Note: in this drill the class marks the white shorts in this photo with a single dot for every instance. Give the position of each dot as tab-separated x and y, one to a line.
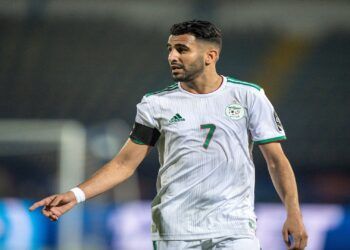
222	243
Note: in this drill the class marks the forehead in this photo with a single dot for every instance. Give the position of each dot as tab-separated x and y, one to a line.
185	39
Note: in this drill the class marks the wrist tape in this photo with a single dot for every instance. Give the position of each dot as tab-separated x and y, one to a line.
79	194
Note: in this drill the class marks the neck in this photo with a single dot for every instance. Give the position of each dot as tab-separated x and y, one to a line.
203	84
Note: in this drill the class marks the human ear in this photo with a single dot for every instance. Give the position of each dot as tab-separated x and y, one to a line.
211	56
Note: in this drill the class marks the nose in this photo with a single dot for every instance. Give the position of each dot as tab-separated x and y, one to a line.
173	56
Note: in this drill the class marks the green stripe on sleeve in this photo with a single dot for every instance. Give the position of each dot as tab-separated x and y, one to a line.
233	80
137	141
279	138
169	88
154	245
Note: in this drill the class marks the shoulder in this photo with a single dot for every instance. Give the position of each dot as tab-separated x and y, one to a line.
245	86
168	90
152	99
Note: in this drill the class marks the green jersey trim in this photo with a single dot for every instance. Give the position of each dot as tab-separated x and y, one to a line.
235	81
279	138
137	141
169	88
155	245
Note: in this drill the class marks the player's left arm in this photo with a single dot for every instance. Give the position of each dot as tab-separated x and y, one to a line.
283	179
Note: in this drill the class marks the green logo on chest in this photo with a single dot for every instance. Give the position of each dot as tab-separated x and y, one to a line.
176	118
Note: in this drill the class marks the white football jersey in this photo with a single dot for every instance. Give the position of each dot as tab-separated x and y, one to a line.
206	179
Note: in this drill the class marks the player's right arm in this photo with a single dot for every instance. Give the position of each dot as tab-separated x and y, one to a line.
120	168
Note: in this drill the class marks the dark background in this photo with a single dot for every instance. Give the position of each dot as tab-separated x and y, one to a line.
93	61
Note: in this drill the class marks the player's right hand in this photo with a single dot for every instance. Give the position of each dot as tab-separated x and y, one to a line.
55	205
294	232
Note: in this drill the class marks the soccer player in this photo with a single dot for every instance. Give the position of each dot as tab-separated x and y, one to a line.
204	126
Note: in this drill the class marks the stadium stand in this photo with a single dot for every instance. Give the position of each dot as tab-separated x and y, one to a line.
94	71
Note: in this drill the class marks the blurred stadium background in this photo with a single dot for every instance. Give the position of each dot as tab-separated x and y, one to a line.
72	71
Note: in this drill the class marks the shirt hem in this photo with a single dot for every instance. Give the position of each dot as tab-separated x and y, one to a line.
156	236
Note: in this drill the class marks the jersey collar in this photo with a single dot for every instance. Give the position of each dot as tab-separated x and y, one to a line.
215	92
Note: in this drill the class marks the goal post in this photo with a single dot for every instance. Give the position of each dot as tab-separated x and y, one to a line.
69	137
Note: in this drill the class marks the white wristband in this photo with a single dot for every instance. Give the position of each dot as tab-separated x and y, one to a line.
79	194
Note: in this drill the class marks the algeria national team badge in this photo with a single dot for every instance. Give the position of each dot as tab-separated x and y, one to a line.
235	111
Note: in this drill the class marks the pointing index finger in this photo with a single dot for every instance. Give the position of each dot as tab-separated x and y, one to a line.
43	202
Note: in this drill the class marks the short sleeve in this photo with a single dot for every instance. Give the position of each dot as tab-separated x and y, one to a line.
264	123
144	114
145	129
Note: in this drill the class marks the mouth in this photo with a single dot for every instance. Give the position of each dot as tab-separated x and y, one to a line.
176	67
176	70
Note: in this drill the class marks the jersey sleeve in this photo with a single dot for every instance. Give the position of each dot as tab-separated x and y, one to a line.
144	114
145	130
264	123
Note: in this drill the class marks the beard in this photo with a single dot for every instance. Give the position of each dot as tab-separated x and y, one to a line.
190	72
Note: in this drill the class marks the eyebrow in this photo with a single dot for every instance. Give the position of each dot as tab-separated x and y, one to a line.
178	45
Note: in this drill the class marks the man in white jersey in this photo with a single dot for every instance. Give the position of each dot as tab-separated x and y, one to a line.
204	126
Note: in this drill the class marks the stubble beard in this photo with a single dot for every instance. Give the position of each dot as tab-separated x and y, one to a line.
194	70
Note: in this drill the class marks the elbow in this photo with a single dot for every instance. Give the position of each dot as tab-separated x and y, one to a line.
276	162
271	165
124	167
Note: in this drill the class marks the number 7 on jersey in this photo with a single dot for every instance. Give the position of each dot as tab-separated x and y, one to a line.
211	128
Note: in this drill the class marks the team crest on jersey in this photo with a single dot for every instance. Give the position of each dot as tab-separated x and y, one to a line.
235	111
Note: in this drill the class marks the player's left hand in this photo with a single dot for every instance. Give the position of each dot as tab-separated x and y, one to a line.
295	228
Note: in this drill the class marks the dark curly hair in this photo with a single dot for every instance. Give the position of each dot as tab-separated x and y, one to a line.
203	30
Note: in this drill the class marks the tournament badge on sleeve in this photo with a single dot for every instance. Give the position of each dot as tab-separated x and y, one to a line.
278	122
